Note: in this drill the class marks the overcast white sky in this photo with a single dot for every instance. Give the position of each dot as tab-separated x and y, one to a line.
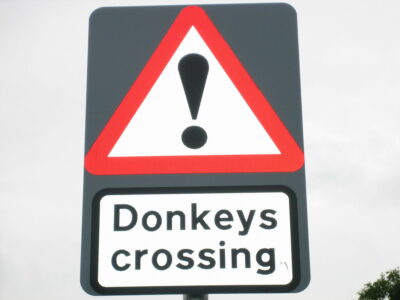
350	72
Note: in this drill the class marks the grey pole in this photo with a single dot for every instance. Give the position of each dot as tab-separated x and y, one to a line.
195	297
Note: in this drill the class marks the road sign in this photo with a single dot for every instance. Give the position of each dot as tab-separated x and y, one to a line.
243	132
194	168
156	237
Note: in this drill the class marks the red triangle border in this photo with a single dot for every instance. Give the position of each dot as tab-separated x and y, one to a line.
291	158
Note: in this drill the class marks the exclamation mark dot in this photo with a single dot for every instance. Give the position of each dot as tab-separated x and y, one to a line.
193	69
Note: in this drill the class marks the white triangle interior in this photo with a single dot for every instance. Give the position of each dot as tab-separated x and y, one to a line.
157	126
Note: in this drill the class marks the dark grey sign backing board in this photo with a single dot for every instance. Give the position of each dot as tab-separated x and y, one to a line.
121	41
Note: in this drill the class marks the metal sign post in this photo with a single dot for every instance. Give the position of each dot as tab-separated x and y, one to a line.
195	297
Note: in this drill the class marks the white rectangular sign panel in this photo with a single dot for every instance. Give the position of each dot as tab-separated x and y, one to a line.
193	238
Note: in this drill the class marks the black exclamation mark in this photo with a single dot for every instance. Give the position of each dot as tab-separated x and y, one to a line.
193	69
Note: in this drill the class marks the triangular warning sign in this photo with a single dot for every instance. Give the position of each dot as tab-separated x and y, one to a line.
239	130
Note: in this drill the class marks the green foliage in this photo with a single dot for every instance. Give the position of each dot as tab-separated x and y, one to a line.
387	287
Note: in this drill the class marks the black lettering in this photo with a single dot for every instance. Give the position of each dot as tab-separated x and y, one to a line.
138	258
246	223
171	214
168	261
189	261
198	219
145	220
235	253
114	258
219	218
270	263
272	221
222	261
209	259
117	211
